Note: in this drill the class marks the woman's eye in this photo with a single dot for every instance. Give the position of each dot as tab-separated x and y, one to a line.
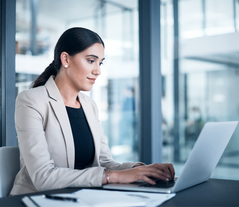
91	61
101	63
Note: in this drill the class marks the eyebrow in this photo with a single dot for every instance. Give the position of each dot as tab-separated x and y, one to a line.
95	57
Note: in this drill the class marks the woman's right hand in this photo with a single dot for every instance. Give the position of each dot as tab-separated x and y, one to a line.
159	171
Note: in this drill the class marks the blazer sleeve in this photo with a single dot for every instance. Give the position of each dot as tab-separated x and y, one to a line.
29	118
106	159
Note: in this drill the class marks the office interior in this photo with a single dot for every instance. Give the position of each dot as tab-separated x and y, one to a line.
198	67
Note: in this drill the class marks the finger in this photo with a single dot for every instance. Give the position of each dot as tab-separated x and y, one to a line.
171	169
165	169
148	180
158	174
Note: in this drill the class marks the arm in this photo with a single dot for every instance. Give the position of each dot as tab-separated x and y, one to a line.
160	171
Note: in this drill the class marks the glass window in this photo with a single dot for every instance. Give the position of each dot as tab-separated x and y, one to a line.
236	17
167	78
191	27
116	90
219	16
208	78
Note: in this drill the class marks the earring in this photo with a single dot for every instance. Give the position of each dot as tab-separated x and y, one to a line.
66	66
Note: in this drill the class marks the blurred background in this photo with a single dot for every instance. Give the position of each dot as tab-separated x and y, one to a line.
208	72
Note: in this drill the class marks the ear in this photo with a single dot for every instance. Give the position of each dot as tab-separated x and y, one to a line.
65	59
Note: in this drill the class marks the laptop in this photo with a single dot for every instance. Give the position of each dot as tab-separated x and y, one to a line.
199	166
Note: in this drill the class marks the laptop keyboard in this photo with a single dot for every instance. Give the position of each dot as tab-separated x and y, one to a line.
160	184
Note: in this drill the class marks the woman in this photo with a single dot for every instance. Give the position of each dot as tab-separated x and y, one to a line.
60	139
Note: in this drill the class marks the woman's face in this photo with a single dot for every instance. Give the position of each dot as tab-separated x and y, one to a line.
84	67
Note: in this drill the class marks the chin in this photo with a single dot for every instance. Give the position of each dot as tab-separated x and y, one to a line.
86	89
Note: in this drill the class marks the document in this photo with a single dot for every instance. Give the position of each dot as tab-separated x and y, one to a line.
105	198
42	201
98	198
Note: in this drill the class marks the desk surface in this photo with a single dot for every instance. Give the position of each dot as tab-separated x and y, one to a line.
214	192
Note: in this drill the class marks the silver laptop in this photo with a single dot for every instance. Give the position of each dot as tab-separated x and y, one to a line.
200	164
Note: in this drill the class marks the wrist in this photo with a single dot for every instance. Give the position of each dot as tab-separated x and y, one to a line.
113	177
110	177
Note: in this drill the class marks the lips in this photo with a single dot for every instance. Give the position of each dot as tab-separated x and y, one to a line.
92	80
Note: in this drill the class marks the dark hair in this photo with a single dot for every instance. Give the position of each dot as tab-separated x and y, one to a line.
72	41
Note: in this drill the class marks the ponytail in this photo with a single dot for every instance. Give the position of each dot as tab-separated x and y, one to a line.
42	79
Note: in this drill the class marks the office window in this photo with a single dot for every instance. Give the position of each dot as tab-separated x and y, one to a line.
208	77
191	27
40	23
236	15
219	16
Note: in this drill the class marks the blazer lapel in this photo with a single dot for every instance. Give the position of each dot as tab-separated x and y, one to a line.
93	124
59	108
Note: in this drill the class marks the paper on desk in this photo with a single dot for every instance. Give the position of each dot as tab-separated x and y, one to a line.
42	201
104	198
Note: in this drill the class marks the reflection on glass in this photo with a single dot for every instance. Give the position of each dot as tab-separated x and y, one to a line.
191	27
219	16
116	90
236	15
207	17
208	80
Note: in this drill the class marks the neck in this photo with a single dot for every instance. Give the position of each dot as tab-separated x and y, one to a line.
70	96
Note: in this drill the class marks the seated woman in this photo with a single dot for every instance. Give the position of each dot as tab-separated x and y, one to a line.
59	135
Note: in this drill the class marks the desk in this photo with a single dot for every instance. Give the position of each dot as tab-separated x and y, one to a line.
214	192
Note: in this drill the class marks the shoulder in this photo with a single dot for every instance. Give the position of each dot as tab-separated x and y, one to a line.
37	94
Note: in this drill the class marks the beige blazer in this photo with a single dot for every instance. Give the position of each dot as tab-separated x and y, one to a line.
45	139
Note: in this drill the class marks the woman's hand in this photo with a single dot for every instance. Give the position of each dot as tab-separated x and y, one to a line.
159	171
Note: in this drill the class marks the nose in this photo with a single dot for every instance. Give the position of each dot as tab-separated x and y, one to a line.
97	71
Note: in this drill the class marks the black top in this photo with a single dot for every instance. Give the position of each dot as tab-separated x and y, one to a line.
83	140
